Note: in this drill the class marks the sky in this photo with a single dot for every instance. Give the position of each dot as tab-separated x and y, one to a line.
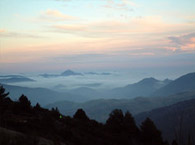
55	35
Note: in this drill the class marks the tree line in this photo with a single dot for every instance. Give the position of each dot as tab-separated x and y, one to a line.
36	121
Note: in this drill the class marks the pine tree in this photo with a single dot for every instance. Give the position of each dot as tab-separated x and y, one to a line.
4	104
130	125
55	112
37	106
131	131
81	115
115	121
150	134
3	95
24	103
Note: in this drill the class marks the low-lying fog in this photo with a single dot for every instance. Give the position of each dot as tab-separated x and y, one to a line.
95	80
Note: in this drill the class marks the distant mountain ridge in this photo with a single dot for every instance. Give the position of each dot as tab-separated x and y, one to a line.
153	87
100	109
65	73
182	84
144	88
70	73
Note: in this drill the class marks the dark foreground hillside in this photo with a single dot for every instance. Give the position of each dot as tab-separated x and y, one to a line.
177	120
36	122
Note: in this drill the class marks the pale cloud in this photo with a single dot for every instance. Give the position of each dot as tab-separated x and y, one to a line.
144	33
6	33
95	53
71	28
55	15
182	39
137	37
142	54
74	29
136	26
184	42
170	48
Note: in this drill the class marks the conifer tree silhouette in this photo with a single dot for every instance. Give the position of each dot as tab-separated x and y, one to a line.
150	134
115	121
130	125
3	95
37	106
3	103
81	115
24	103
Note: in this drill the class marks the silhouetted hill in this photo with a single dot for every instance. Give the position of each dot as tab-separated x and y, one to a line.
65	73
70	73
182	84
14	79
100	109
174	120
144	87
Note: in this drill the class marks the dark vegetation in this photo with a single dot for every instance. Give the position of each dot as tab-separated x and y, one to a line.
36	122
175	121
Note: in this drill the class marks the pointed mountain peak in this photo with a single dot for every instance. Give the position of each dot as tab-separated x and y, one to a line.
149	80
69	73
